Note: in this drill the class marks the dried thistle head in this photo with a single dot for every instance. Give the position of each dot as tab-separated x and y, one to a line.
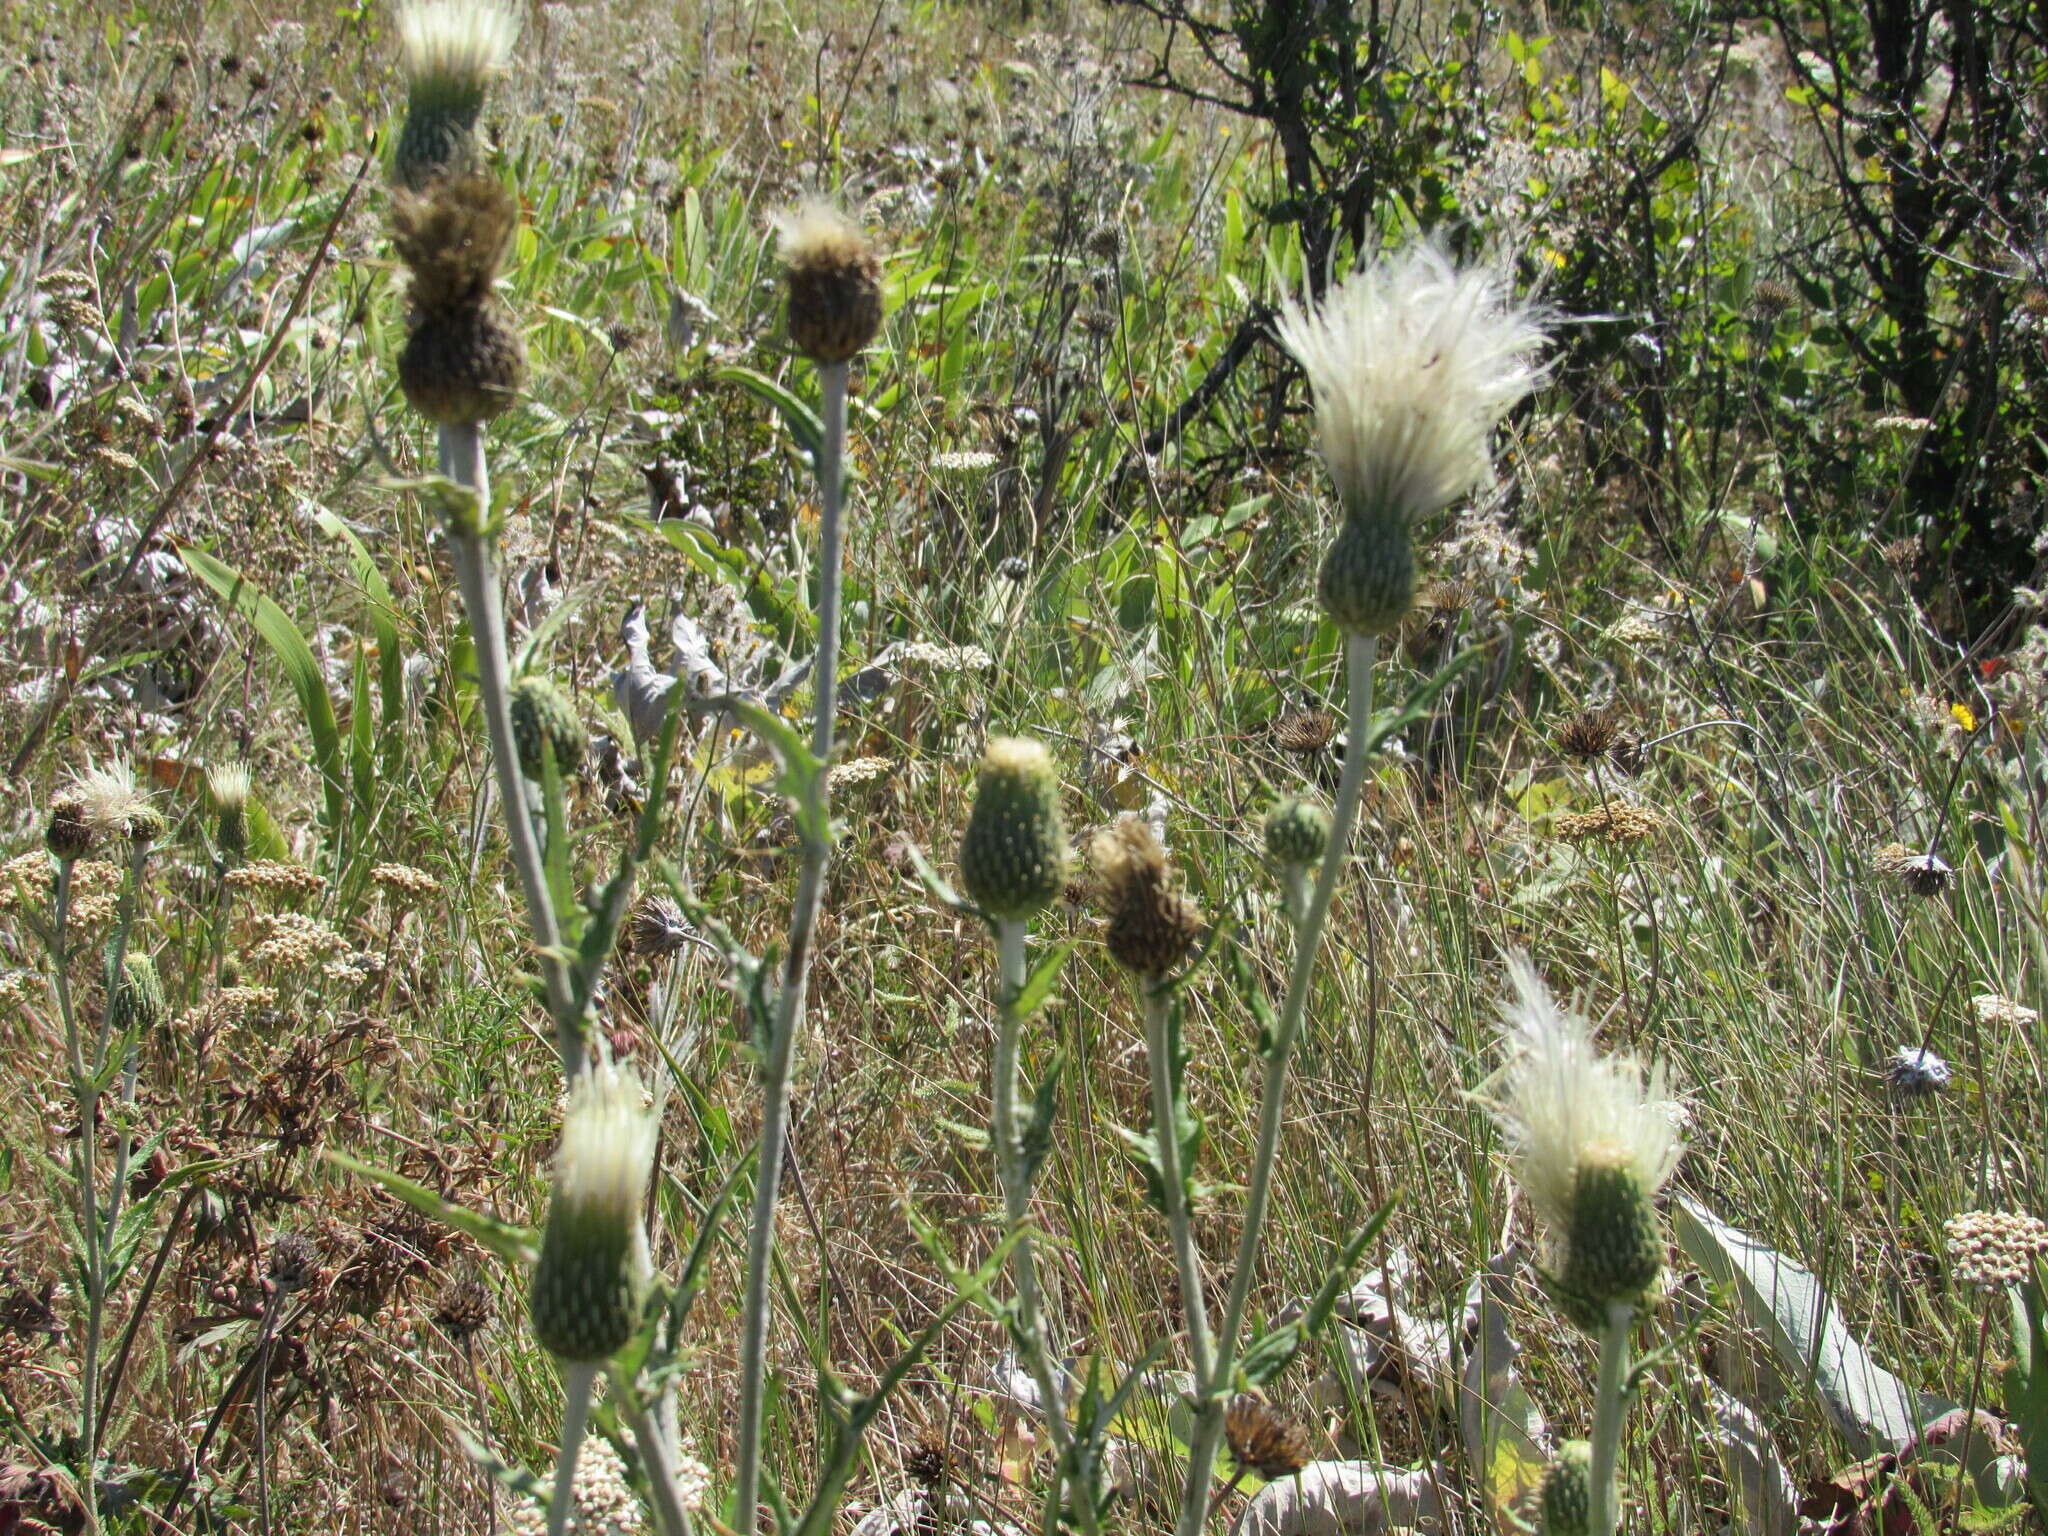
294	1261
835	282
1263	1440
112	805
1305	731
1919	874
1152	929
656	928
464	1309
453	238
1589	735
68	834
228	786
1915	1072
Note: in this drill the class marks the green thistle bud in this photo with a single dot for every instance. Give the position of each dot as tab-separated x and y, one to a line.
1013	858
1367	583
69	834
449	49
138	1001
1612	1247
229	786
591	1279
543	716
1297	831
1566	1504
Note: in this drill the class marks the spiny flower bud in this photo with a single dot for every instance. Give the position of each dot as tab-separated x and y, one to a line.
1297	831
1152	929
1367	581
835	282
1013	858
542	716
1613	1250
137	1002
68	835
448	49
465	361
229	785
587	1287
1566	1503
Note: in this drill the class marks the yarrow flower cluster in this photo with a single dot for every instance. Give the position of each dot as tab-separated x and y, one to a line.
1593	1140
1993	1249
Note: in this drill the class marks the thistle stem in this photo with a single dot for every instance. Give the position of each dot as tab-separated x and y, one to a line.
1166	1139
1610	1408
1360	653
462	460
576	1383
787	1023
1013	1170
656	1442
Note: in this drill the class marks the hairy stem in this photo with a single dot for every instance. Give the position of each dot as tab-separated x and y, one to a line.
656	1443
1179	1221
787	1023
1360	653
576	1383
1610	1408
462	460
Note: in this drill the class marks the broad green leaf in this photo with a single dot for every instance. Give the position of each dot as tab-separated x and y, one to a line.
520	1245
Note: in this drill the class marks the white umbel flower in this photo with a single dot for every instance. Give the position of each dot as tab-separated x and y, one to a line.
1593	1138
1413	362
454	45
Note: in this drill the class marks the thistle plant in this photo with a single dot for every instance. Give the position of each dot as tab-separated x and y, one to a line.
835	308
1412	363
1013	863
592	1274
1592	1142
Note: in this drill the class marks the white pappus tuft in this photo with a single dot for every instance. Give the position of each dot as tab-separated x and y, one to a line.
1564	1098
454	46
1413	361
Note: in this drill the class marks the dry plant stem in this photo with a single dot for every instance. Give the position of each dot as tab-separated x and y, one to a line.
1610	1408
1179	1221
483	1423
83	1160
1360	653
789	1001
576	1383
462	460
1016	1180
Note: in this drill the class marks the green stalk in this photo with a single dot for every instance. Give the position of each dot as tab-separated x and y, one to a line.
1360	653
576	1383
656	1442
462	460
1610	1408
1016	1180
1179	1222
816	853
83	1166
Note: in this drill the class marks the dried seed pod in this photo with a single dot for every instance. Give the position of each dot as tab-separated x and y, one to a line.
294	1261
464	1309
1262	1440
1152	929
465	361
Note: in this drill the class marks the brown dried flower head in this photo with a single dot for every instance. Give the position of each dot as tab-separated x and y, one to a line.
1151	927
656	928
835	282
1305	731
275	877
1920	874
1589	735
464	1309
1263	1440
1617	825
405	883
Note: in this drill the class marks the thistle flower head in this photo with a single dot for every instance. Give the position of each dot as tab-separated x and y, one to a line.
1593	1142
449	49
588	1284
1013	857
1915	1072
112	805
229	784
835	281
1413	361
1152	928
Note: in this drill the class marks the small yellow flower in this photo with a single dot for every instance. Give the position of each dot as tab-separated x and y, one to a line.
1963	716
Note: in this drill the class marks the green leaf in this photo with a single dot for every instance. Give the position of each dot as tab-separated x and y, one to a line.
1038	985
1874	1410
2026	1386
519	1245
1035	1141
802	421
1274	1351
302	671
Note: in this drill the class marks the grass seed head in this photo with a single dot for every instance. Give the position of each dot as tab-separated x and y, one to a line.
1152	929
587	1286
835	282
1013	857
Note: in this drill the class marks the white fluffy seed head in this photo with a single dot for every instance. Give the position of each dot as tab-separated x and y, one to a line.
1413	362
109	798
607	1146
1565	1100
452	47
229	784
